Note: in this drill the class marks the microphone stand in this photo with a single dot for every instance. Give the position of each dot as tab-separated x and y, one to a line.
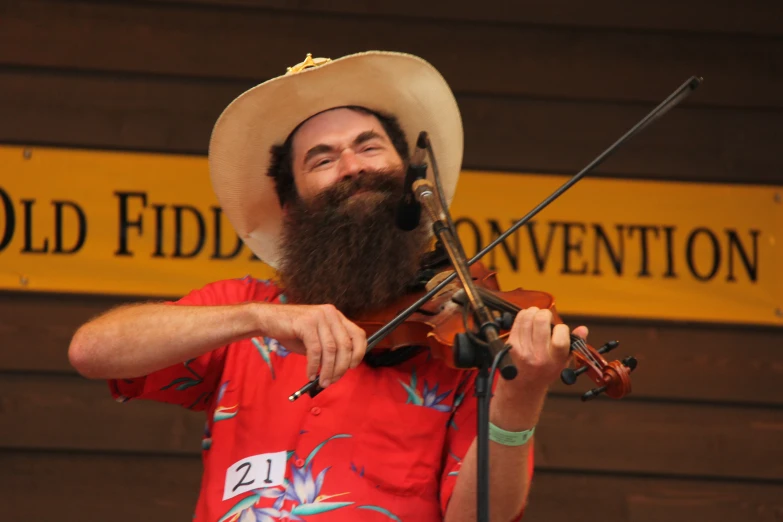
482	356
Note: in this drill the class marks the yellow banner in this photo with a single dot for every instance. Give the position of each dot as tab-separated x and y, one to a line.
148	224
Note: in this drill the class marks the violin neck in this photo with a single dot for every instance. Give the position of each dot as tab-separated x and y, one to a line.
499	304
502	305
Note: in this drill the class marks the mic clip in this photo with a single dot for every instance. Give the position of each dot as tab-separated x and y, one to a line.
409	208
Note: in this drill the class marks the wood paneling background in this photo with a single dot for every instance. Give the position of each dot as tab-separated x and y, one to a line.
543	86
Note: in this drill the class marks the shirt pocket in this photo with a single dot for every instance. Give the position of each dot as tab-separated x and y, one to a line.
398	447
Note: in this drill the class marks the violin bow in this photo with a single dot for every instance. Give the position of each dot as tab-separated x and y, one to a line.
662	108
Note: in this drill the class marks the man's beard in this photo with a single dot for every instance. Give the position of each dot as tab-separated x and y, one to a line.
344	249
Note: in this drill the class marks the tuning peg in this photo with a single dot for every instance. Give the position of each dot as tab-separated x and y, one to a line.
630	362
608	347
505	321
592	394
568	376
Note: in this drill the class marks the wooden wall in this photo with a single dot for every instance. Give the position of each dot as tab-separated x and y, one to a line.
543	86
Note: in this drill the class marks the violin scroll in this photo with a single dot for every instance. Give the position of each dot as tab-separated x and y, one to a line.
613	378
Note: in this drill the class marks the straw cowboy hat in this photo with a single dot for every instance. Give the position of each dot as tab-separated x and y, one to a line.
399	84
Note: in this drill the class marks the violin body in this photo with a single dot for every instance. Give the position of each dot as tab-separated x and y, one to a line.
438	322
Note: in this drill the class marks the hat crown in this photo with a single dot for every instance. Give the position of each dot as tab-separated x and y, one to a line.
308	63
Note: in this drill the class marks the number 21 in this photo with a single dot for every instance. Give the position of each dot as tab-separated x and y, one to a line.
247	467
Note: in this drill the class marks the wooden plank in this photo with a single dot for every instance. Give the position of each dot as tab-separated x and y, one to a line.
661	438
86	418
56	486
686	144
730	17
161	489
119	113
700	363
163	115
604	435
496	59
37	328
595	498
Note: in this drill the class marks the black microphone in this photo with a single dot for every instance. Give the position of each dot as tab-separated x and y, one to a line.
409	209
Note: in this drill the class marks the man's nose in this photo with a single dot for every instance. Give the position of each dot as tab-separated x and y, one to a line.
350	165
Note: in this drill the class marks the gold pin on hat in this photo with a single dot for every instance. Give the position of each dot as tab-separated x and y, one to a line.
308	63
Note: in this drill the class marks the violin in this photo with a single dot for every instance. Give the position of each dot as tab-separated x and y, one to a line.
452	319
444	321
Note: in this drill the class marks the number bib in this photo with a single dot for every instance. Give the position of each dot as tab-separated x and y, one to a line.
259	471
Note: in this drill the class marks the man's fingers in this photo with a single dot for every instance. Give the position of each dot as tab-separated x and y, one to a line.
524	326
358	340
312	350
561	343
581	331
542	333
332	343
344	345
328	352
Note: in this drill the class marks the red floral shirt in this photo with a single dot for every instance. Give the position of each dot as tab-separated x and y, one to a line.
380	444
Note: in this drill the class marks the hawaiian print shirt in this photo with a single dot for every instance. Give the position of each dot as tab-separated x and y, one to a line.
380	444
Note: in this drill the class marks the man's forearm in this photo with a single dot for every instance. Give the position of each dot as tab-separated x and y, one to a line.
508	465
134	340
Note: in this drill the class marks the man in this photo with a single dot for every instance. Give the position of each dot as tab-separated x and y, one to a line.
392	435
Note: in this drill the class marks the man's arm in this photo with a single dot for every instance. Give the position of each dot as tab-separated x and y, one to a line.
508	465
135	340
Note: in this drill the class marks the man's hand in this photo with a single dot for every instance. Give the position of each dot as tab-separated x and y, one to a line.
322	333
540	352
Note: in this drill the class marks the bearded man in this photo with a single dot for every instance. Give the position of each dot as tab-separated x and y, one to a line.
309	169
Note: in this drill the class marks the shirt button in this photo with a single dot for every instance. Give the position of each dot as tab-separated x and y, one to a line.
299	463
315	410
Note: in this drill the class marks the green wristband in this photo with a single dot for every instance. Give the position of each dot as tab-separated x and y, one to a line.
510	438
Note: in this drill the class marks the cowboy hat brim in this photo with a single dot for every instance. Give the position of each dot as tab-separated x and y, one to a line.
398	84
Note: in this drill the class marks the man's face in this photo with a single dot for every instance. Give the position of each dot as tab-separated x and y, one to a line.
339	242
339	144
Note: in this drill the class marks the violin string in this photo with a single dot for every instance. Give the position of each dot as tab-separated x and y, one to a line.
581	346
